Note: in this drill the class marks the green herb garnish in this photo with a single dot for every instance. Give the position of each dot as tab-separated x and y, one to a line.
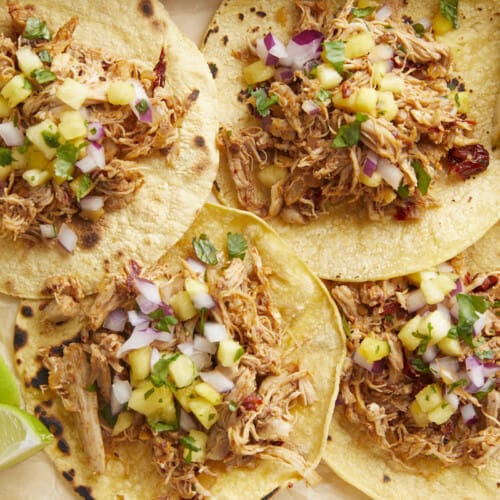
458	383
403	191
162	426
362	12
142	106
205	250
232	406
43	76
480	395
484	354
449	9
423	178
67	154
36	29
420	365
91	387
237	246
262	102
469	308
334	53
45	56
323	95
162	321
108	417
5	157
159	374
190	444
419	29
239	352
149	393
52	140
348	135
84	186
345	327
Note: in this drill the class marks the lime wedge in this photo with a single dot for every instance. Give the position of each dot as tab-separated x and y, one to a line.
21	435
9	391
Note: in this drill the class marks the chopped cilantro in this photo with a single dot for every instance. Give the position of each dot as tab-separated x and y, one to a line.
159	373
419	29
403	191
162	321
232	406
458	383
162	426
236	246
45	56
43	76
67	154
484	354
449	10
24	148
36	29
91	387
27	85
402	49
389	317
425	338
108	417
363	12
142	106
5	157
420	365
52	140
205	250
323	95
480	395
262	102
149	393
469	308
348	135
423	178
84	186
345	327
334	53
190	444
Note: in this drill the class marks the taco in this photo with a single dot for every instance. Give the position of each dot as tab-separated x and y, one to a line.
364	140
107	144
419	401
213	373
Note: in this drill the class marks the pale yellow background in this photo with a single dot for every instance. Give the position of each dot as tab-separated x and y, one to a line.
36	479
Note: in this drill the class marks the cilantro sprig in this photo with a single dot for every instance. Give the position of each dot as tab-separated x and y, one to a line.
262	101
449	10
237	246
205	250
469	309
334	54
162	321
349	134
423	178
36	29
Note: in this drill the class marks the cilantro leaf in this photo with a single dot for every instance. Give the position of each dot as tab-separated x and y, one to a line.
203	314
43	75
480	395
420	365
419	29
462	382
334	53
67	154
236	246
362	12
403	191
449	10
233	406
190	444
489	354
45	56
205	250
84	185
323	95
52	140
423	178
345	327
262	102
159	373
36	29
469	308
349	134
108	417
142	106
162	426
5	157
162	321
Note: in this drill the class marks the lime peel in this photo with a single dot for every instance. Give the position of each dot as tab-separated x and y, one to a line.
9	390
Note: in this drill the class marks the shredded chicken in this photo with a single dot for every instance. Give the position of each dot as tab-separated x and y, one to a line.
378	402
313	177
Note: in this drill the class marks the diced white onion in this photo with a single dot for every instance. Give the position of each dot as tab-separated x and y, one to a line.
383	13
48	231
217	380
122	390
201	344
361	361
164	336
215	332
452	399
96	152
148	289
186	421
444	311
390	173
138	339
114	405
415	300
11	135
145	305
430	353
203	301
86	164
140	95
468	414
186	348
381	52
116	320
196	266
92	203
155	357
474	370
201	360
67	237
445	268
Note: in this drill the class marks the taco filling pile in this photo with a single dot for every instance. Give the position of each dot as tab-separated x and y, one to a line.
422	375
357	105
73	122
189	362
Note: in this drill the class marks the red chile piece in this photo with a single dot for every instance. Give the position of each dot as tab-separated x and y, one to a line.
488	282
159	70
466	161
251	402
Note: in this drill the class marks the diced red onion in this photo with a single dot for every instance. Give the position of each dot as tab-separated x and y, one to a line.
138	339
48	231
425	22
164	336
474	370
378	366
201	360
490	369
479	323
283	74
383	13
186	348
217	380
370	164
116	320
140	95
155	357
95	131
186	421
215	332
390	173
196	266
96	152
446	368
452	399
11	135
469	414
302	48
270	49
145	305
148	289
458	289
67	238
92	203
310	107
136	318
362	361
415	300
203	300
201	344
381	52
430	353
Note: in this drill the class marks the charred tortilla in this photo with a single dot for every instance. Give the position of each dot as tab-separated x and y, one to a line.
346	244
169	182
291	303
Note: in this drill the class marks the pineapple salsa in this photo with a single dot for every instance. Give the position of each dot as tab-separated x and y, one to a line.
360	105
73	122
422	378
189	361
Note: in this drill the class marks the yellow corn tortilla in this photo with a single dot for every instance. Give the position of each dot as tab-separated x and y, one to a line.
313	324
349	450
175	186
346	245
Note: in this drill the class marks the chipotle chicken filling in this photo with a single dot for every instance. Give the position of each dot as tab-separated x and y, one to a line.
422	377
353	108
73	123
188	360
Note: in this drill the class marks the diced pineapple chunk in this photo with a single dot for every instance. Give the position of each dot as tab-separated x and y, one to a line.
120	93
441	25
417	278
72	125
16	90
257	72
4	107
185	395
205	412
373	349
392	83
5	171
386	105
366	101
198	440
35	177
441	413
461	99
373	181
435	289
92	215
195	287
450	347
271	175
36	159
182	371
140	364
429	397
406	334
328	76
72	93
359	45
123	422
436	325
367	3
420	416
379	70
229	352
183	306
79	188
209	393
28	60
35	134
19	160
347	103
156	403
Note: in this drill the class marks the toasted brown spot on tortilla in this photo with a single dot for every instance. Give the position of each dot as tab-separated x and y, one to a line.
48	403
89	239
69	474
193	96
199	141
53	424
225	39
159	25
261	13
20	338
41	378
241	16
85	492
269	495
26	311
146	7
210	32
63	445
386	478
213	69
